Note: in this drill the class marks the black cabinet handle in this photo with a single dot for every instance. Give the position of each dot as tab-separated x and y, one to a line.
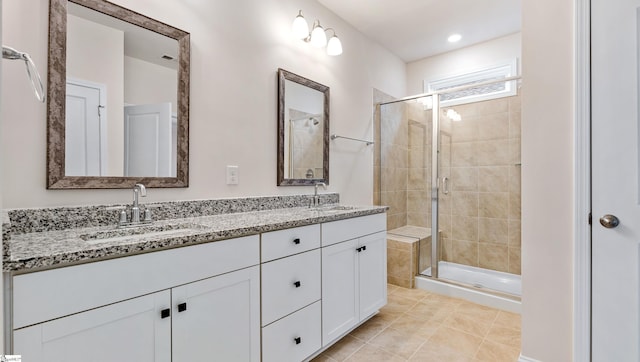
298	340
358	249
165	313
297	284
296	241
364	247
182	307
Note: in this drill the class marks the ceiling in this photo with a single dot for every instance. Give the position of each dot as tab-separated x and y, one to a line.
416	29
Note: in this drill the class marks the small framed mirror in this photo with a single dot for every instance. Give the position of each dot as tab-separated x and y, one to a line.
303	130
118	98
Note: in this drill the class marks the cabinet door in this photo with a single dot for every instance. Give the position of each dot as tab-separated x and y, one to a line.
339	289
129	331
372	264
218	318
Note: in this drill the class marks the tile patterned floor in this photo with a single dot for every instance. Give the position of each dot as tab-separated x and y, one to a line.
417	325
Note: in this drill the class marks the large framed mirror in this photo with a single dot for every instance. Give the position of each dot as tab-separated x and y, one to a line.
303	130
118	98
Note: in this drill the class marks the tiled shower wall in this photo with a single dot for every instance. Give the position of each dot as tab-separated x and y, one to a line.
480	216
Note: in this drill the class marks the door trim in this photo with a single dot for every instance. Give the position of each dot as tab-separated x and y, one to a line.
582	183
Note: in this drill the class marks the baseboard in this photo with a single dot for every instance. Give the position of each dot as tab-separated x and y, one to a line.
526	359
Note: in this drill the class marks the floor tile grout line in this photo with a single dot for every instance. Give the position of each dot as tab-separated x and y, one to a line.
419	348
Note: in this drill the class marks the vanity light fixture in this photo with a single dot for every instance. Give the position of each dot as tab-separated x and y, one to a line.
317	37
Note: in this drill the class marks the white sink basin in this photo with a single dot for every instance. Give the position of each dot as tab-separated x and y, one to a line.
143	231
335	208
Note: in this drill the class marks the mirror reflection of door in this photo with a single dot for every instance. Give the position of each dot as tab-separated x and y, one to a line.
85	134
149	141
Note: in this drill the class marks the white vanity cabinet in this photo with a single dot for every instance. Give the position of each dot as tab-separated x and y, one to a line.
185	304
279	296
354	273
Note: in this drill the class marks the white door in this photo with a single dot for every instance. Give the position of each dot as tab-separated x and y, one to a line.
129	331
85	129
340	304
148	140
218	319
372	264
615	186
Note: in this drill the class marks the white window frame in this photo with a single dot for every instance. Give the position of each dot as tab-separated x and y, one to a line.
503	69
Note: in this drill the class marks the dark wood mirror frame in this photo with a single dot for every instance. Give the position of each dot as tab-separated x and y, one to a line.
282	181
56	98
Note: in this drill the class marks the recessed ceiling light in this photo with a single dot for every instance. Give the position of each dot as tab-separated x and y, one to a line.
454	38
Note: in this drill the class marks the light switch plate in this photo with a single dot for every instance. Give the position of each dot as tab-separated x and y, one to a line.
232	175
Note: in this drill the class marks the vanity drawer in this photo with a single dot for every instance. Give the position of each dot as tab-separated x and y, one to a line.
281	243
337	231
293	338
289	284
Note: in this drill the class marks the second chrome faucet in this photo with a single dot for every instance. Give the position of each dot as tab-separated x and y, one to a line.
315	202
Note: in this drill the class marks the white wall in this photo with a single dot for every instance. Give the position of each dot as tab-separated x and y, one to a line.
148	83
462	61
236	49
547	179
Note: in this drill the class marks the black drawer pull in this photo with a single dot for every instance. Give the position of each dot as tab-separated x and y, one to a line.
165	313
182	307
296	241
298	340
358	249
364	248
297	284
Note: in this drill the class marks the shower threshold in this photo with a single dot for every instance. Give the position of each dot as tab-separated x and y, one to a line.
490	280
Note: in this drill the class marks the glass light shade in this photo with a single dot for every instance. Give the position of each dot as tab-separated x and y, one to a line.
318	37
334	47
300	28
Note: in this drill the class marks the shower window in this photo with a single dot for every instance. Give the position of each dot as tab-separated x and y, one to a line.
476	94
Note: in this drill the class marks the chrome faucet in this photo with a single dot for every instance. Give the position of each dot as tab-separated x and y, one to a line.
315	202
138	190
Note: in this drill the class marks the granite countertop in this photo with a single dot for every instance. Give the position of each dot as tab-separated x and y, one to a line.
39	250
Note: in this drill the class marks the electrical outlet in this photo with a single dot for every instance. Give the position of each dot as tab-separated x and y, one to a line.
232	175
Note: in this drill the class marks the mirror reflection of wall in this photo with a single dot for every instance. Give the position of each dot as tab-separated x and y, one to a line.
117	65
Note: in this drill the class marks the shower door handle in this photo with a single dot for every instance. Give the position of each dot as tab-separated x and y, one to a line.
445	185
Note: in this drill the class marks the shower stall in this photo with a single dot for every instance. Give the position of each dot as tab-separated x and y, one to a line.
447	164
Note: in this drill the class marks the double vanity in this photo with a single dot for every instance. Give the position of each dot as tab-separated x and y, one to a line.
259	279
249	279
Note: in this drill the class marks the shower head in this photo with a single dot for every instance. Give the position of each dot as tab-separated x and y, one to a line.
315	121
